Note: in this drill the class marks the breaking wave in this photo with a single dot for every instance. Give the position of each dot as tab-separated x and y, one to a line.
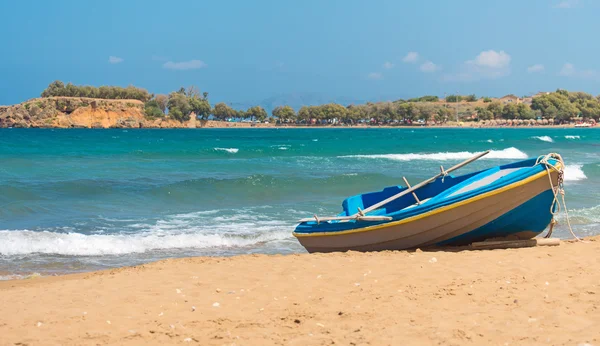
508	153
572	137
229	150
76	244
544	139
574	173
583	216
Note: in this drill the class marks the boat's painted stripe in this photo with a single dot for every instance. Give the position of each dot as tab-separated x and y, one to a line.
527	180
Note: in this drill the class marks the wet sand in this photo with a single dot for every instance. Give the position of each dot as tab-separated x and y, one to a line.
542	295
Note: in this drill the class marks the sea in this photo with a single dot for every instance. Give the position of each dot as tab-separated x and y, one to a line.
76	200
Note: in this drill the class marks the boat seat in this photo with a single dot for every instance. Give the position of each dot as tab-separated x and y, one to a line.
414	205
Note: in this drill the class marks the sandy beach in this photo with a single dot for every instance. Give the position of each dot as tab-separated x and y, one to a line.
543	295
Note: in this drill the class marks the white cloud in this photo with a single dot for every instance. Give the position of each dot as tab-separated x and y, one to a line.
411	57
388	65
375	75
184	65
567	4
115	60
569	70
429	67
488	64
535	68
493	59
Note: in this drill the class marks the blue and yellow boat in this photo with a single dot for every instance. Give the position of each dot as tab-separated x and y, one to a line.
515	201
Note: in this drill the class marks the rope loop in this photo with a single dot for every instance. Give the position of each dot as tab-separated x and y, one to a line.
557	189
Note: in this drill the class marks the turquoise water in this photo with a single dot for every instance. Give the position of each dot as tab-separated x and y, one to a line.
76	200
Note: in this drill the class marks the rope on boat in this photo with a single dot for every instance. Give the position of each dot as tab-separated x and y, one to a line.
556	190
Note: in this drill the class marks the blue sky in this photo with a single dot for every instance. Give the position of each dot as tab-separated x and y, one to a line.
246	51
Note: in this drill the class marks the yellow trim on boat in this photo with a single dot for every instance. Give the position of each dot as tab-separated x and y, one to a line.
431	212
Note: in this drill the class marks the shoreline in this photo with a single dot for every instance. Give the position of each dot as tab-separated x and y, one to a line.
528	295
278	127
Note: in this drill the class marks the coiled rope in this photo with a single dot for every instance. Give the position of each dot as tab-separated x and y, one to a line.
556	190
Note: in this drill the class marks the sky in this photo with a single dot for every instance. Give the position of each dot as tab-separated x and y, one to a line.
247	51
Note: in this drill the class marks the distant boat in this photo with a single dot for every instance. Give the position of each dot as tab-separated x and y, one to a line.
583	125
507	201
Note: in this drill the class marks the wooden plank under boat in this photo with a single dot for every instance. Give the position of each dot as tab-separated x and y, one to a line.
513	200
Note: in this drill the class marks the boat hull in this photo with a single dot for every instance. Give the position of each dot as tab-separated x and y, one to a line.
520	210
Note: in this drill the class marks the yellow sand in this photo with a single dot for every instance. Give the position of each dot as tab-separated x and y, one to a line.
543	295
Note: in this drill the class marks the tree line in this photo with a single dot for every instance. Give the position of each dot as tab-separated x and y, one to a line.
182	104
58	88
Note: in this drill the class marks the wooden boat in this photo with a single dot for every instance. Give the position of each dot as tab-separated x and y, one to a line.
515	200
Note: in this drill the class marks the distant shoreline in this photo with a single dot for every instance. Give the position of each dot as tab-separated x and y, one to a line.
81	112
279	127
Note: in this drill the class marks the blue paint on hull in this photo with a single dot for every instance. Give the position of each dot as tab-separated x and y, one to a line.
533	216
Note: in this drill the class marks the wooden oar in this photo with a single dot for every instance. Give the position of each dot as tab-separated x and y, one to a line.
398	195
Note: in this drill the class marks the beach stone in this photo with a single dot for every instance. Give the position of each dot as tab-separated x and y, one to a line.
216	304
433	260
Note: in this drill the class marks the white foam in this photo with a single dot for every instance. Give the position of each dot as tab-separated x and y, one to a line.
572	137
283	148
19	276
508	153
574	173
490	141
229	150
544	138
26	242
196	230
583	216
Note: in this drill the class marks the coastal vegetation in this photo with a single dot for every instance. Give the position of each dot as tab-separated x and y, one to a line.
58	88
182	104
186	104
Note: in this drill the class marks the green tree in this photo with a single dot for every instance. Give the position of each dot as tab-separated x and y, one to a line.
179	106
510	111
495	108
199	106
257	112
426	98
525	112
442	115
223	111
484	113
304	114
284	113
555	105
57	88
161	101
470	98
453	98
152	109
